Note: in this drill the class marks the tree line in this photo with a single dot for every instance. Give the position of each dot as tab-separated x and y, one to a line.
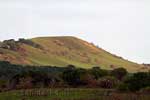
26	77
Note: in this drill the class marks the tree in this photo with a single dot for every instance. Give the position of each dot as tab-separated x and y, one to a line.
75	77
119	73
137	81
98	73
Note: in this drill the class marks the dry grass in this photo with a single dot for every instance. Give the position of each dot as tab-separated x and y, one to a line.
60	51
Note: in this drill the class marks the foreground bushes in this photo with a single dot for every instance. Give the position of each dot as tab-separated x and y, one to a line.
137	81
145	90
108	82
24	77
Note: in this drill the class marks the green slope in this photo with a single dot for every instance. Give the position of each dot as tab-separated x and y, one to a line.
61	51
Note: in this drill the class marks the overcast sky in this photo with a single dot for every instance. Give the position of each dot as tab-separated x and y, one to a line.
121	27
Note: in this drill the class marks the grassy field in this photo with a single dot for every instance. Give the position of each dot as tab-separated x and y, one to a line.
70	94
61	51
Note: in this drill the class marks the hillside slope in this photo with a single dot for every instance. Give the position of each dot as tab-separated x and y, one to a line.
61	51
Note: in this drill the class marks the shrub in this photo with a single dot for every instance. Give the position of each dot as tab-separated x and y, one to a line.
119	73
122	87
145	90
137	81
9	44
25	83
98	73
107	82
77	77
3	83
31	43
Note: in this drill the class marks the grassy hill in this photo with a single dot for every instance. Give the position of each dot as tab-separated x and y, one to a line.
61	51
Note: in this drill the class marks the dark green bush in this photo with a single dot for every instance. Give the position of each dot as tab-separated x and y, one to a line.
97	72
122	87
137	81
119	73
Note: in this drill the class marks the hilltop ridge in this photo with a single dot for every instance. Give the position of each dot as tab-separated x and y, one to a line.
61	51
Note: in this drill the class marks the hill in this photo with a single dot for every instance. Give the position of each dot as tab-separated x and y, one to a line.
61	51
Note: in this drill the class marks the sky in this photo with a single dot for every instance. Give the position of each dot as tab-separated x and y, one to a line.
118	26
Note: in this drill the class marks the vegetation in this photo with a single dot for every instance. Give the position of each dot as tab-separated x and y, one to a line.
138	81
90	71
29	42
9	44
62	51
65	83
27	77
119	73
71	94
